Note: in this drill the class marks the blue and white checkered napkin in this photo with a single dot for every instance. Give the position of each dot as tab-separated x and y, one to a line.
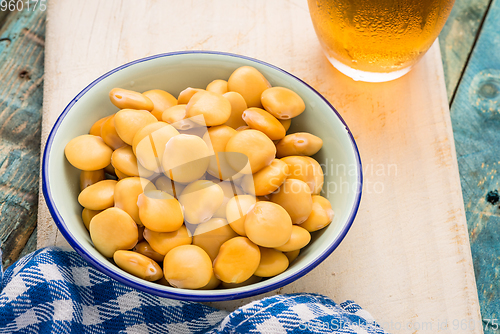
56	291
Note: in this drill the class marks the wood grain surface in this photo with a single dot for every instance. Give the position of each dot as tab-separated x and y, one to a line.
3	17
21	78
476	123
458	38
407	257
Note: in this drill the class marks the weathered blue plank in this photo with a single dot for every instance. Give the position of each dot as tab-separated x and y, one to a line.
21	83
475	117
457	38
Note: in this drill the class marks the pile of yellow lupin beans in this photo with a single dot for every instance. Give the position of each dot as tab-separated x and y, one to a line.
204	190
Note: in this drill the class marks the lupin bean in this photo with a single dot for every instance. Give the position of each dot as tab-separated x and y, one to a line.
112	230
138	265
87	152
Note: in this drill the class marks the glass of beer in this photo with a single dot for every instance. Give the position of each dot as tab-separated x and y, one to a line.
377	40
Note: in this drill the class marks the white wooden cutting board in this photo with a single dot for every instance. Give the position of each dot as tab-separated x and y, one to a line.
407	257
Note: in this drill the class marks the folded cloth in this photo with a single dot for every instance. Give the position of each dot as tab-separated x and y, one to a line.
56	291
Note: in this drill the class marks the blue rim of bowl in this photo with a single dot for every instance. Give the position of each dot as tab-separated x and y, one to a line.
190	295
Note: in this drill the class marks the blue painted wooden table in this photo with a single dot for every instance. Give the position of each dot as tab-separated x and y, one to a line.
475	114
470	46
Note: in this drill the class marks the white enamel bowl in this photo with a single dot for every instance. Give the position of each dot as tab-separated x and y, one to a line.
173	72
